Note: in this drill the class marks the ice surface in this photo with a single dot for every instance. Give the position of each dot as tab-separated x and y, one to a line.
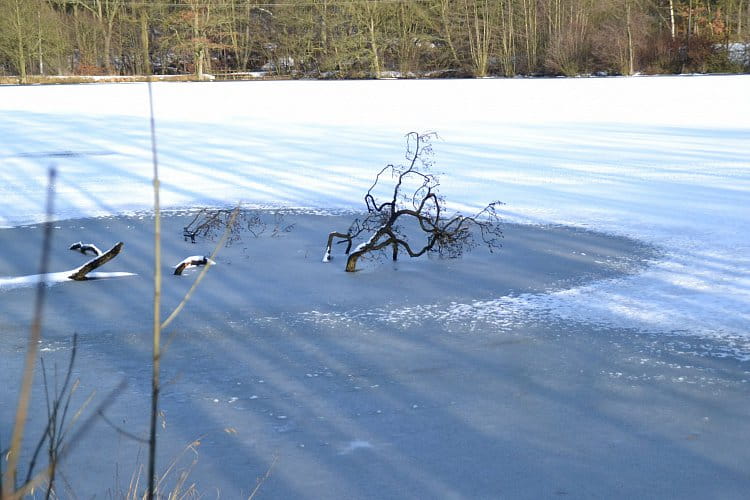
631	156
355	445
406	380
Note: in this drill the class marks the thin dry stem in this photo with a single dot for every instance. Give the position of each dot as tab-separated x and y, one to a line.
156	360
183	477
135	479
264	478
178	490
203	272
75	439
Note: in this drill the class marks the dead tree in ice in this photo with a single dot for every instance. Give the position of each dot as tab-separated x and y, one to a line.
413	204
209	223
80	273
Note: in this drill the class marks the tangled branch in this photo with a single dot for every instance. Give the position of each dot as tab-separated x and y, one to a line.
415	202
210	223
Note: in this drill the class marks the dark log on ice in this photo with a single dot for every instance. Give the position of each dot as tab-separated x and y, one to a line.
193	261
81	272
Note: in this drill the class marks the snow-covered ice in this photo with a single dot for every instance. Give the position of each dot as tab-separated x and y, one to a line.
663	159
49	279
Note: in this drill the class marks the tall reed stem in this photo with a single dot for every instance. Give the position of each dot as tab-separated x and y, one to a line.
157	305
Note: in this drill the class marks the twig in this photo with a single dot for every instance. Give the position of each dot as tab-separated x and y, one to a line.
264	478
122	431
75	439
53	406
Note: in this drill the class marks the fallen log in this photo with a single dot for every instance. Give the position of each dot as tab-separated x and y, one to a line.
81	272
194	261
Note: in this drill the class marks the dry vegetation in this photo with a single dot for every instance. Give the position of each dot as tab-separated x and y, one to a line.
237	39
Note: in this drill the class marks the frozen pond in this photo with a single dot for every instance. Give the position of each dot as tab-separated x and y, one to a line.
398	381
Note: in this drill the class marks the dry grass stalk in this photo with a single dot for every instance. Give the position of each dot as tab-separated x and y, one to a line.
263	479
180	490
156	359
186	298
43	476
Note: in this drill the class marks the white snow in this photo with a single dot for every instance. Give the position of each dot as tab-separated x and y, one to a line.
49	279
357	444
663	159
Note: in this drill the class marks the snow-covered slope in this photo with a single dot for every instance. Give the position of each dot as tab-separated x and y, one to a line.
664	159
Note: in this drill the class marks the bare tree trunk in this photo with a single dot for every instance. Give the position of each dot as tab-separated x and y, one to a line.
197	50
479	35
145	43
207	50
530	33
107	48
20	50
39	41
631	69
374	46
507	38
239	47
351	262
739	18
688	34
671	19
447	30
78	44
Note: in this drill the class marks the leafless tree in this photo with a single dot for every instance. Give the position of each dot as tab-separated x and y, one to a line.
414	204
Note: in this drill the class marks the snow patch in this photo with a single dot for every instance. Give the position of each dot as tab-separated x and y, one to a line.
355	445
50	279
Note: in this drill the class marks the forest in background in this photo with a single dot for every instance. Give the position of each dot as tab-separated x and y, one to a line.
372	38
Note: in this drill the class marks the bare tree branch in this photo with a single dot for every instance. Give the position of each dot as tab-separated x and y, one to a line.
210	223
415	199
